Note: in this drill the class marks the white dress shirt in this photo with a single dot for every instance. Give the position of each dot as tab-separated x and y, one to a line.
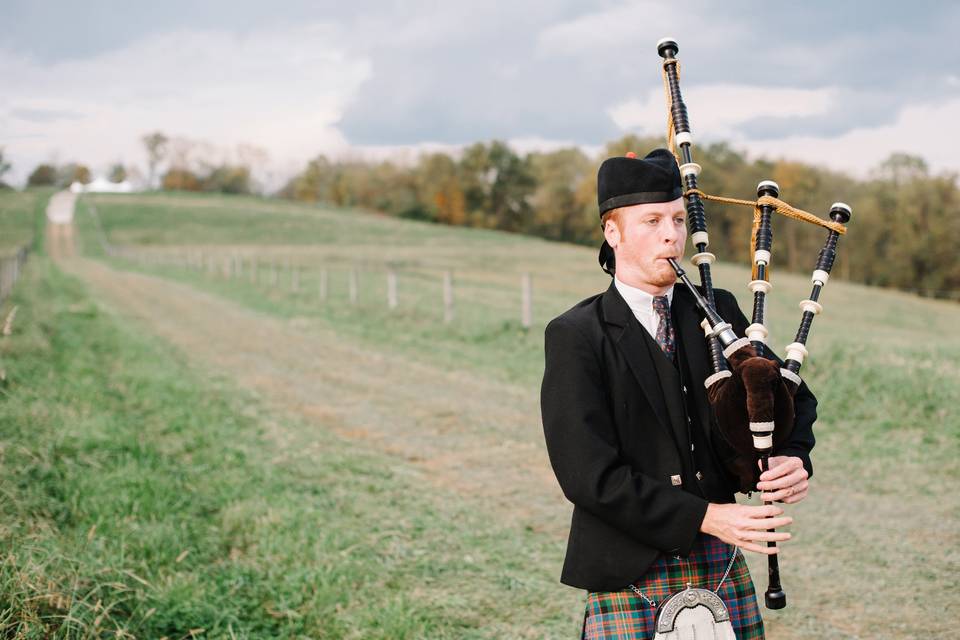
641	303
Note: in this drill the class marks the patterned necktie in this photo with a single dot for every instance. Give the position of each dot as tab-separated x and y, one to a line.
665	337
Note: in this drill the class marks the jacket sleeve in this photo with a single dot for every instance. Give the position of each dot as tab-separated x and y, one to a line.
584	451
804	403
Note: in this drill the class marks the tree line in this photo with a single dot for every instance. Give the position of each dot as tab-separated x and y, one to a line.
905	226
903	234
190	165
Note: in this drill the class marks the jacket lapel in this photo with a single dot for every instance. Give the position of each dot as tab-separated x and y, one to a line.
633	345
694	348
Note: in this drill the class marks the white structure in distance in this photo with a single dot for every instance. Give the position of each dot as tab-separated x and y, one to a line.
102	185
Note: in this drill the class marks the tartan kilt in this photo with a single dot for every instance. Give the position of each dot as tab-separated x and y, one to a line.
619	615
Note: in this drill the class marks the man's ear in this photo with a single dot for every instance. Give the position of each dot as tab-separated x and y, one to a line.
611	233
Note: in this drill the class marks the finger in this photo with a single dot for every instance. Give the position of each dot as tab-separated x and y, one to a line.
783	494
788	466
766	536
758	548
758	524
795	477
763	511
772	461
797	497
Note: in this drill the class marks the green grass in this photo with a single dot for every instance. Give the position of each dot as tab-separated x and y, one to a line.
875	549
21	217
144	498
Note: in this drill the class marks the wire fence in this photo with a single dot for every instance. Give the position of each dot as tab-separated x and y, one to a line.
394	287
11	268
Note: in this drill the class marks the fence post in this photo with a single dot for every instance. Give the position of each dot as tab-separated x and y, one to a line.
392	289
323	285
295	279
253	271
353	286
447	297
526	312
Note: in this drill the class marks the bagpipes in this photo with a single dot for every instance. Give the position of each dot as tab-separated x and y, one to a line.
751	395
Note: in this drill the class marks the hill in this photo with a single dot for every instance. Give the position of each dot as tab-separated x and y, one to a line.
466	536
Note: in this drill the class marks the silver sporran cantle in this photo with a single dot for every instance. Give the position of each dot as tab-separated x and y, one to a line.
693	614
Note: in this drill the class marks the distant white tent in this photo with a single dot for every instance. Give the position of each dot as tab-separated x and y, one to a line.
102	185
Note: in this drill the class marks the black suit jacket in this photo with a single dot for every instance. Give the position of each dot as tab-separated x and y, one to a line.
618	438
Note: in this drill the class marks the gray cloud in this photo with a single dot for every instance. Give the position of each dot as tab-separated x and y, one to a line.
44	115
494	81
453	73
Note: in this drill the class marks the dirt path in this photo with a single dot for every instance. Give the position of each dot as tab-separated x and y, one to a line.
481	438
60	235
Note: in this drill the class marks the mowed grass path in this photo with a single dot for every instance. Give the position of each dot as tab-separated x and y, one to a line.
143	497
883	512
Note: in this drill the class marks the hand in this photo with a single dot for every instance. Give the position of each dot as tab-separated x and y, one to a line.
746	526
785	480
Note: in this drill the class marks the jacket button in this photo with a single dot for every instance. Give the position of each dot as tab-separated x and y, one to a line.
699	476
676	481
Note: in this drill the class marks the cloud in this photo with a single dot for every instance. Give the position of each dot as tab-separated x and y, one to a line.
284	90
44	115
724	107
636	27
379	78
862	149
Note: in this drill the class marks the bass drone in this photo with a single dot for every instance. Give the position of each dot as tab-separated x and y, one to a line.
750	392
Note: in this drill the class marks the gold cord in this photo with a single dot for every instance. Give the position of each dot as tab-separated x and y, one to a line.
781	207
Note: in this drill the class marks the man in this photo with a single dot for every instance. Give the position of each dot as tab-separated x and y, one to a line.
626	421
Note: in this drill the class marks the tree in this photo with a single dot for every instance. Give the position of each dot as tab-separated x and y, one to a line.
44	175
118	173
558	208
314	184
74	172
4	167
156	144
497	186
180	180
632	143
439	189
228	179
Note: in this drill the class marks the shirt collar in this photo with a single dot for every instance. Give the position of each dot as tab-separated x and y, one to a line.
639	300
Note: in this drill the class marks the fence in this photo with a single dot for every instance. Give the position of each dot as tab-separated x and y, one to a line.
11	267
282	274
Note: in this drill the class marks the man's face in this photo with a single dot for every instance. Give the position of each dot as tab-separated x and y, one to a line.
643	236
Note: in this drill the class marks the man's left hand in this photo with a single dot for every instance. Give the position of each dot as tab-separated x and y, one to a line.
785	480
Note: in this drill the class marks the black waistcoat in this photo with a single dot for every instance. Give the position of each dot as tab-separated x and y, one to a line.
703	475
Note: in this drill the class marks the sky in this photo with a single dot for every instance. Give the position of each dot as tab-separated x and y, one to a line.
840	84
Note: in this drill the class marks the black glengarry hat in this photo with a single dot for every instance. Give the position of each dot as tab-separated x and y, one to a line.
628	180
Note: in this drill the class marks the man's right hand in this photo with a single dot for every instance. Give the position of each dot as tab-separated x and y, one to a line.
746	526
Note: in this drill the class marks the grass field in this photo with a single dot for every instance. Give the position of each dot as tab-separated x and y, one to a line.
415	548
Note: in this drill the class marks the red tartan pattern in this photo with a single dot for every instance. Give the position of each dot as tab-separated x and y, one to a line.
622	615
